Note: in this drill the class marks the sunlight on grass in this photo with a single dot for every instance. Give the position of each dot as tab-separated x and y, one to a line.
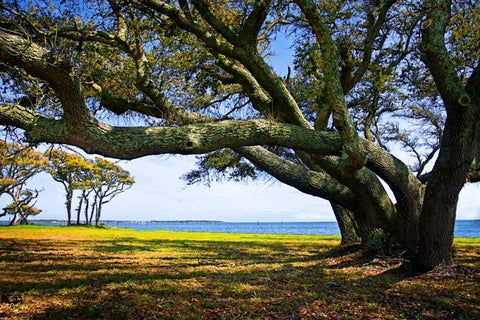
89	273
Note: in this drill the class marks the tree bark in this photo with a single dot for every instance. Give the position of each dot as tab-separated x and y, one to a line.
79	209
14	221
98	213
308	181
68	204
448	176
408	191
457	146
374	211
92	211
347	224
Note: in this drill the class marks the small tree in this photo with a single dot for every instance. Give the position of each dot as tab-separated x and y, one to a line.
68	169
108	180
17	165
21	207
84	201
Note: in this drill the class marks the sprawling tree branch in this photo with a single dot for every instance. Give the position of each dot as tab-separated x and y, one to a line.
215	22
164	59
254	22
283	103
297	176
134	142
187	23
354	157
438	59
376	19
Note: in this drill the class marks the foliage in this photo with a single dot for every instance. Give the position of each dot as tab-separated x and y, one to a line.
83	273
218	165
67	168
21	208
72	171
107	180
18	164
100	179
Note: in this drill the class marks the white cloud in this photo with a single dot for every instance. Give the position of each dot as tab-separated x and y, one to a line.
469	203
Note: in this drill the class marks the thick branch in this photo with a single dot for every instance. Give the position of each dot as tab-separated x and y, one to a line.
396	173
283	104
437	58
214	22
40	63
372	200
260	99
134	142
251	28
184	22
310	182
354	157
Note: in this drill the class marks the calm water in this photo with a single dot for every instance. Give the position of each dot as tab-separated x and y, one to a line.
463	228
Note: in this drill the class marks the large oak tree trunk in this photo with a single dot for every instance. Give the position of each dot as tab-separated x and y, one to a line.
346	223
407	221
443	187
458	143
437	226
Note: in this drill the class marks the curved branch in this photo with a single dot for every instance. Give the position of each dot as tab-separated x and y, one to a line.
311	182
283	102
254	22
373	30
395	173
214	22
134	142
373	202
186	23
354	157
40	63
437	58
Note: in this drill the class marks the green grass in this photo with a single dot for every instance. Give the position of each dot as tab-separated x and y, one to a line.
89	273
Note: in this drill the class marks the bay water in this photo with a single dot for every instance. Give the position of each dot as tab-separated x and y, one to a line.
463	228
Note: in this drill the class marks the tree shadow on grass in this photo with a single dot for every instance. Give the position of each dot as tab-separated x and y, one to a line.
185	279
52	265
287	292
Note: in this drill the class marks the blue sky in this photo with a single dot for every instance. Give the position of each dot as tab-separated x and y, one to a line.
159	194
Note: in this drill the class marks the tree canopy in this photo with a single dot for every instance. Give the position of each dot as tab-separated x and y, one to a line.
17	165
101	178
194	77
70	170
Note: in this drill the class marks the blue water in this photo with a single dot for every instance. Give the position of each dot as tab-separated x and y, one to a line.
326	228
463	228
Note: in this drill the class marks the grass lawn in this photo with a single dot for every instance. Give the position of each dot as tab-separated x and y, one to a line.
87	273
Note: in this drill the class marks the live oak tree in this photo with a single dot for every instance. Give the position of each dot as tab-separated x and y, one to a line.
99	181
193	77
17	165
107	180
71	171
22	206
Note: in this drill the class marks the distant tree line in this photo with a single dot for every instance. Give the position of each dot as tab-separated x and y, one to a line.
97	181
